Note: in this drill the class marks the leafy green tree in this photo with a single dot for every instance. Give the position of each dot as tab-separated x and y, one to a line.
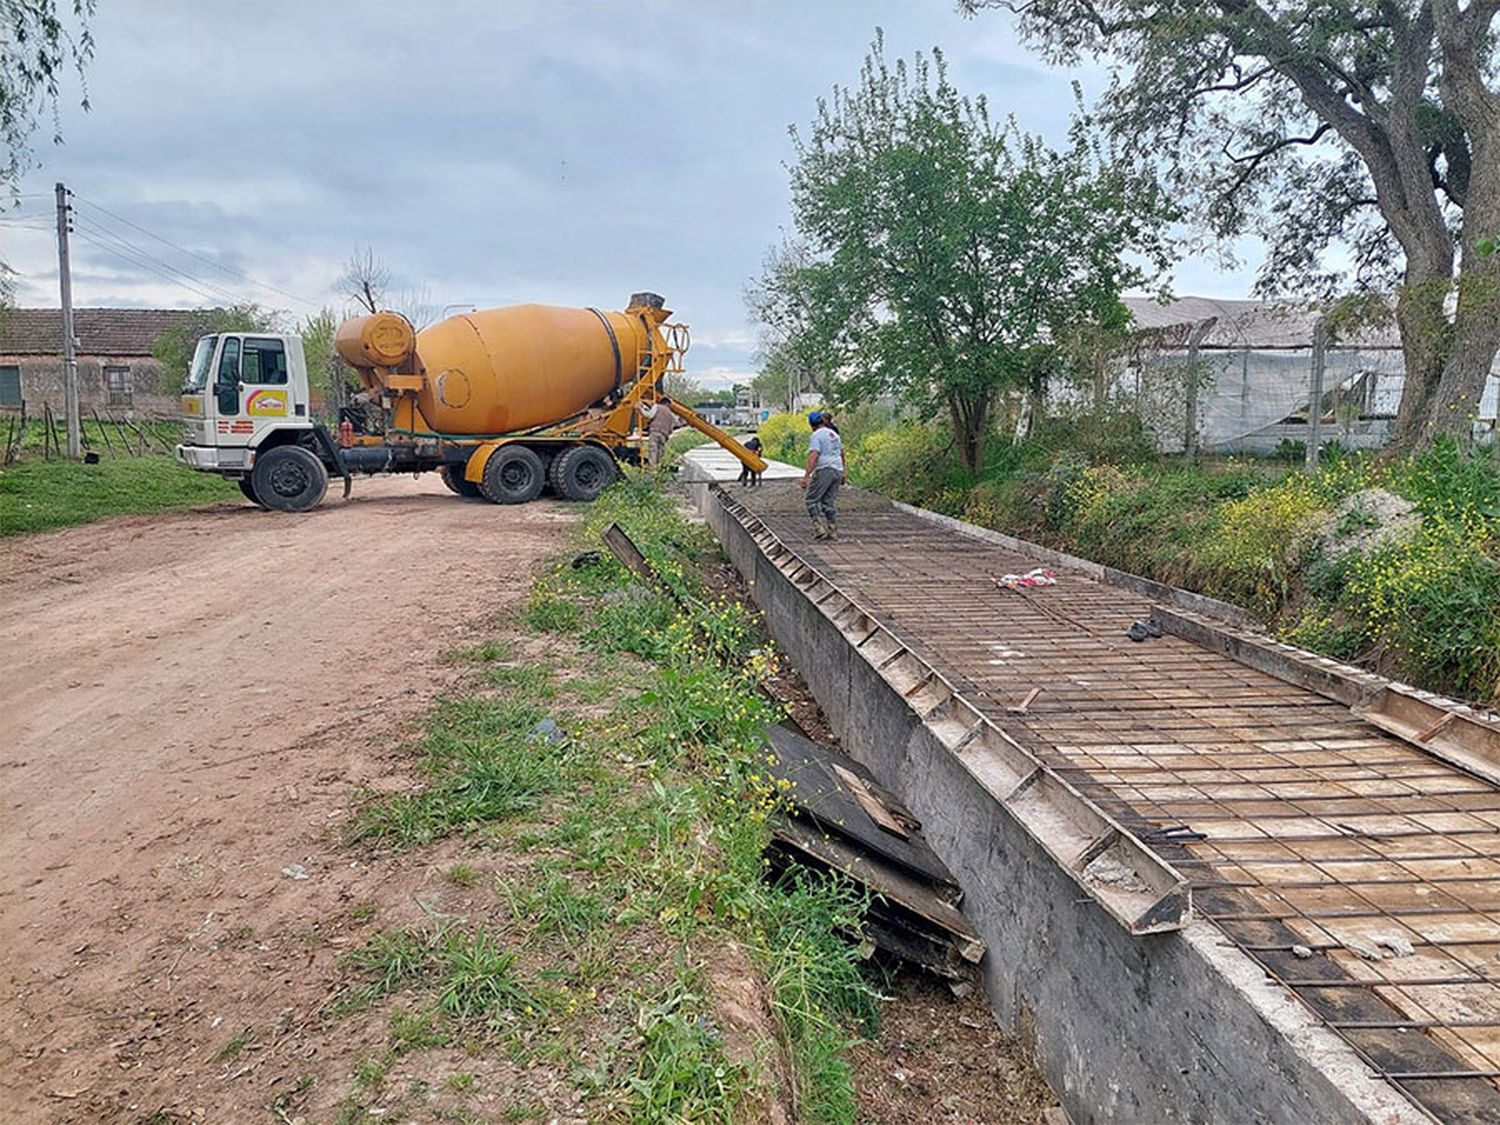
948	253
175	347
1359	138
683	388
779	381
793	355
37	44
328	376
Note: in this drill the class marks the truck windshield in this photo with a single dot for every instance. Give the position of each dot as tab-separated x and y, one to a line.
202	361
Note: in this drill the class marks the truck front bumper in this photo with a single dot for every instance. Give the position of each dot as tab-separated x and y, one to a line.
212	459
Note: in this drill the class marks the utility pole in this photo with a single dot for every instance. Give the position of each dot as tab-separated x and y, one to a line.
1315	405
70	357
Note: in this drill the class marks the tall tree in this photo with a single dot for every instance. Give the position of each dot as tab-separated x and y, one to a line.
949	252
793	357
37	44
1359	138
368	282
779	381
328	377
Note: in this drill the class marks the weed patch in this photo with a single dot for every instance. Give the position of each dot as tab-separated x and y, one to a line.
644	825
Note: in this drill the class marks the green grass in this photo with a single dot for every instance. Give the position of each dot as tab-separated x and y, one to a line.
639	838
685	439
682	1073
387	962
234	1046
479	977
555	906
487	766
38	495
462	875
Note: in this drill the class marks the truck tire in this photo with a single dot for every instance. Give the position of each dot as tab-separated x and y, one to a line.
453	477
247	487
513	475
288	478
582	472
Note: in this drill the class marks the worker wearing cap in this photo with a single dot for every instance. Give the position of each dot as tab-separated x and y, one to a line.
825	472
660	422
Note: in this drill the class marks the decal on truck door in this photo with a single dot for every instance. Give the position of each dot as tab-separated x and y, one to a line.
266	404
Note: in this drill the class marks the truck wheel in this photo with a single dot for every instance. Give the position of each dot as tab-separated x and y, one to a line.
581	473
513	475
453	477
289	478
247	487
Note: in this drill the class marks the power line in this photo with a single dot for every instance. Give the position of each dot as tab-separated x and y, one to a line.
88	226
130	251
143	264
236	274
161	275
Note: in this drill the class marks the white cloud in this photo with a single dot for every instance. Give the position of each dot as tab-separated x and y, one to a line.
561	152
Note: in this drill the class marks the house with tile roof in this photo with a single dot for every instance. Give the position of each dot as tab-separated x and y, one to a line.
116	369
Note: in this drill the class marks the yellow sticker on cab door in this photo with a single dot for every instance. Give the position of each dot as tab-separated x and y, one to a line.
264	404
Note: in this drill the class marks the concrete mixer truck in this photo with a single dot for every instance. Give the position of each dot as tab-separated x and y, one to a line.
503	403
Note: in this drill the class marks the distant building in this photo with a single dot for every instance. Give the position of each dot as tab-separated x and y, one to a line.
717	413
116	370
1254	361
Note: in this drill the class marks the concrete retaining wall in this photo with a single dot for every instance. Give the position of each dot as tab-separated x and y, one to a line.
1160	1028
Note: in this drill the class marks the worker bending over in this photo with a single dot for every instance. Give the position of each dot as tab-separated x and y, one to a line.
825	472
660	422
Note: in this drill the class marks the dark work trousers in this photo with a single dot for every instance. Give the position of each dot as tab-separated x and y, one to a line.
823	494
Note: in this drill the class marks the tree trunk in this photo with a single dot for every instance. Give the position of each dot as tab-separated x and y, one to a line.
1448	361
1476	324
1425	336
971	418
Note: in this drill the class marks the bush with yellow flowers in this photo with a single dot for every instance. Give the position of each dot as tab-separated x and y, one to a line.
1434	600
1257	542
783	437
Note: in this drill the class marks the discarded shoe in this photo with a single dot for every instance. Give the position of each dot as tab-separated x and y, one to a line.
1153	627
1137	631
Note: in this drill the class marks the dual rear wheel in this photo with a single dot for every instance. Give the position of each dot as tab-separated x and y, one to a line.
515	474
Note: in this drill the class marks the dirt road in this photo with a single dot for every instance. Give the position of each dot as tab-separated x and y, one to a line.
188	701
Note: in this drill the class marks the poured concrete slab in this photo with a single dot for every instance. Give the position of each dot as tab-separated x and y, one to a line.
707	463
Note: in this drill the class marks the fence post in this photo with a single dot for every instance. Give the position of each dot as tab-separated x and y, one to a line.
1194	377
1315	402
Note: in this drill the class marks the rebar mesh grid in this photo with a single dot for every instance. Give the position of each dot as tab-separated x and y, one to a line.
1359	871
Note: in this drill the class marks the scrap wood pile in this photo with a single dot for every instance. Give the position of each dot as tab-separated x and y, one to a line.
841	820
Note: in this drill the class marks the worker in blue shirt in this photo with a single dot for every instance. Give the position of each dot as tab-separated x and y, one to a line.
825	472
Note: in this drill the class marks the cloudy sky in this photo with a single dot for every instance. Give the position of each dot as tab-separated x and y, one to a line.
489	152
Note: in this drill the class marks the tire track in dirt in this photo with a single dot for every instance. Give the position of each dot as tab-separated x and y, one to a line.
188	700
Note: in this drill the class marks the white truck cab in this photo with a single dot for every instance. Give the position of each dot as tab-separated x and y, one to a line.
246	398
